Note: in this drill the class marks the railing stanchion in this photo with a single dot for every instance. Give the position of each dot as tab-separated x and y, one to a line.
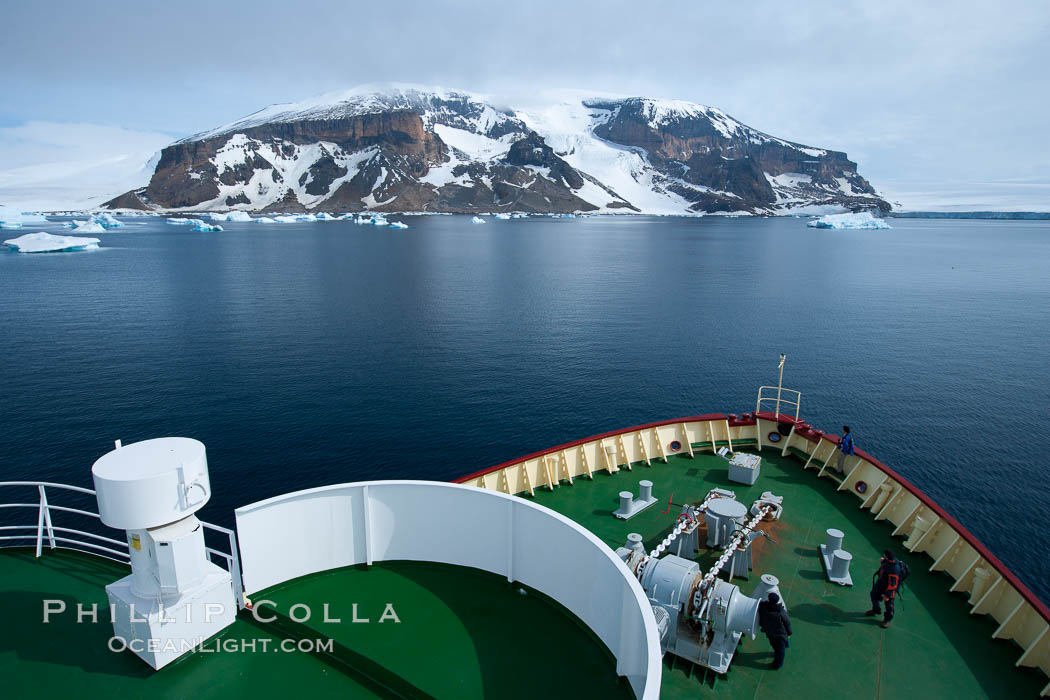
40	522
47	517
235	569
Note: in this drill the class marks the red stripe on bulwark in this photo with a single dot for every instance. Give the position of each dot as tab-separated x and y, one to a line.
965	534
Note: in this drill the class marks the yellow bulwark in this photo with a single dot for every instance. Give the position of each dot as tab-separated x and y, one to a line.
993	590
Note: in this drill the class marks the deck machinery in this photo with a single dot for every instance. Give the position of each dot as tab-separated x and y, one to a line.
701	617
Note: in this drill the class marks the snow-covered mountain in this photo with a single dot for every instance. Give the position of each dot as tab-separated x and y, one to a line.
422	149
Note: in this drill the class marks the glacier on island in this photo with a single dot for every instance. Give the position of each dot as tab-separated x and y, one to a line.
861	220
49	243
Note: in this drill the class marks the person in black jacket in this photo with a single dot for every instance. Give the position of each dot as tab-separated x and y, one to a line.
887	579
774	621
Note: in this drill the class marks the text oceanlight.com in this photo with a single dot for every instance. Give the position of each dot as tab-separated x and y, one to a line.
264	611
228	646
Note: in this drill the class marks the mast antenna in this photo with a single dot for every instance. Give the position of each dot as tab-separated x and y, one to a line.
780	382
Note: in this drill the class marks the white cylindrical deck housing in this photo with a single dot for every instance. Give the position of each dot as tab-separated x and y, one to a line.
151	483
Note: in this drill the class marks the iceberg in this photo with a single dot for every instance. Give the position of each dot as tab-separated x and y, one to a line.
204	226
503	217
265	220
89	227
862	220
231	216
285	219
48	243
379	221
398	224
477	220
13	218
176	221
107	220
325	217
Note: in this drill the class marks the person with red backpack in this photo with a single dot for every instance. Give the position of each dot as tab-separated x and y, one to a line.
888	579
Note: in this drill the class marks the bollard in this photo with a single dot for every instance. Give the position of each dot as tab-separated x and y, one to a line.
768	583
840	560
833	541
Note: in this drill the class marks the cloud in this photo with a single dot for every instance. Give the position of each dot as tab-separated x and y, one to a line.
953	90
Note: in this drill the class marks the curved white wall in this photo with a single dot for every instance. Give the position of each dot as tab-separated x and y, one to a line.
325	528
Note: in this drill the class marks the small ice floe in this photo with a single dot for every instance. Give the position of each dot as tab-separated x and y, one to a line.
503	217
11	225
178	221
862	220
286	219
89	227
325	217
205	227
265	220
49	243
306	217
477	220
380	220
398	224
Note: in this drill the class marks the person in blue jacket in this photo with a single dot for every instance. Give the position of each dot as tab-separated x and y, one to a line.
845	448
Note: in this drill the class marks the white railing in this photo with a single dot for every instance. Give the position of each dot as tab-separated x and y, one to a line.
775	395
232	558
83	540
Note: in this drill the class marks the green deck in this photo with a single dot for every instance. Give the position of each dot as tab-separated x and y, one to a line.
64	659
934	648
467	634
463	634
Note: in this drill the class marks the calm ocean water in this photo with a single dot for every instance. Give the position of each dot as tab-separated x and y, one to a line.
303	354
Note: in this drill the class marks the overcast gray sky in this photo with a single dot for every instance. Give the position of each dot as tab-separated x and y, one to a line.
937	101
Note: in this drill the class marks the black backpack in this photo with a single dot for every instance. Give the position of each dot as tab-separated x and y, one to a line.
905	573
